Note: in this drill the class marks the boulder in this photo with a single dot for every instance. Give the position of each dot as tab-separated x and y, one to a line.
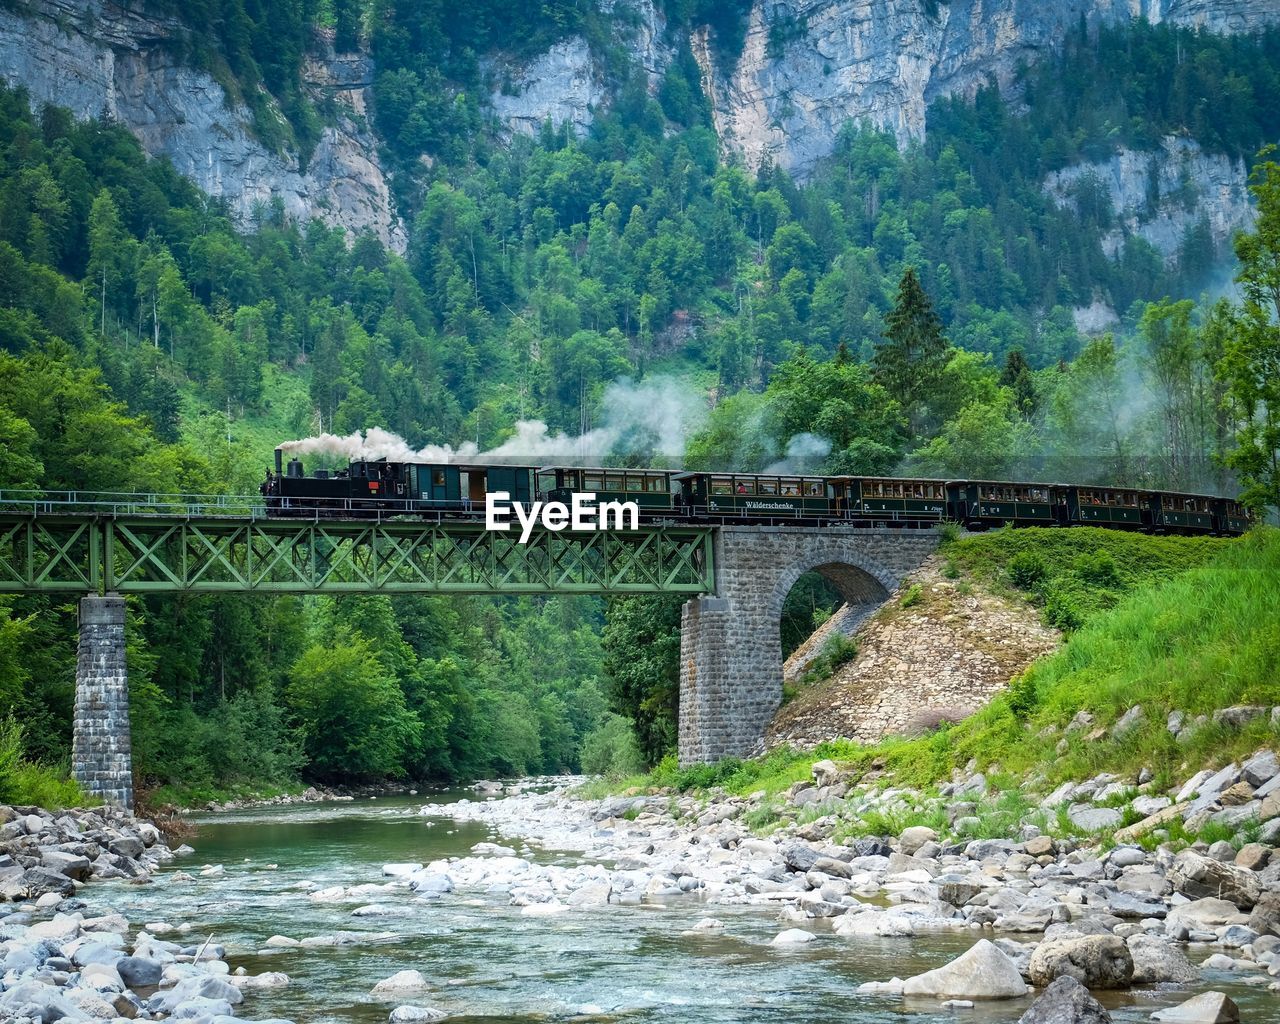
1239	715
915	837
39	880
1206	1008
1093	819
984	972
1253	856
1040	846
1265	919
799	857
1261	768
825	773
1096	961
1066	1001
1206	913
413	1014
1156	961
792	937
1195	875
70	864
401	981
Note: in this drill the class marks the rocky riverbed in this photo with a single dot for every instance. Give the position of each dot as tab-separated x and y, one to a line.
63	960
473	907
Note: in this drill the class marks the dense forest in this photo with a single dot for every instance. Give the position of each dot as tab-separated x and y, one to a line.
906	308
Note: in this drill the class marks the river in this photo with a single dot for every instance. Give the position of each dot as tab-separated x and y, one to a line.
488	962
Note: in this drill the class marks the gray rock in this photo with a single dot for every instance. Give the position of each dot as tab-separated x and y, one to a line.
1206	1008
39	880
1065	1001
1093	819
139	971
1096	961
1239	715
1133	908
1130	720
1253	856
70	864
1265	918
413	1014
1222	851
1261	768
1156	961
1196	875
799	857
983	972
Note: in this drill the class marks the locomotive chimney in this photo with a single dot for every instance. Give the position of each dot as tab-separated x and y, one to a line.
279	462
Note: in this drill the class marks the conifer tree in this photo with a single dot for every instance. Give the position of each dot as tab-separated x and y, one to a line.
911	358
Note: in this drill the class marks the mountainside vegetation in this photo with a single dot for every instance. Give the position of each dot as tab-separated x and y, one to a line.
908	308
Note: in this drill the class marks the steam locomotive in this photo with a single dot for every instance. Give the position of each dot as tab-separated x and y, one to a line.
379	488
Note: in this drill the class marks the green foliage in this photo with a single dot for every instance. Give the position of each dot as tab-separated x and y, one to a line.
25	782
911	596
352	712
641	643
611	749
1026	570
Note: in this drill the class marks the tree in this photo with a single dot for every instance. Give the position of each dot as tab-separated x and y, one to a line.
351	710
1250	364
911	358
642	664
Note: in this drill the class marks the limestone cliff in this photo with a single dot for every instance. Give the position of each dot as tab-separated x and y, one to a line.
100	57
1159	195
809	66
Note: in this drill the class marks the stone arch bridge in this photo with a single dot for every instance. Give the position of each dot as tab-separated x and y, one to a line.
731	643
736	579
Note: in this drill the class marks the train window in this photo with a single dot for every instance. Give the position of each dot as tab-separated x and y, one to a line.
614	482
813	488
721	485
769	486
655	484
593	482
437	477
790	488
635	482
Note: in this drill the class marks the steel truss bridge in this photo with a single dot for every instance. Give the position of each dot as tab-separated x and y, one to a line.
145	543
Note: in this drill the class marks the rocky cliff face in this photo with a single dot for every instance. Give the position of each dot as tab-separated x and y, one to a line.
98	56
1159	195
809	66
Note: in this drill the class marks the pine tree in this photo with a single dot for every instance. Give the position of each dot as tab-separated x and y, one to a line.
1018	378
911	358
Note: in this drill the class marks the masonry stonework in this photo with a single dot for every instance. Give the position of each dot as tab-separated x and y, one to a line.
101	750
731	644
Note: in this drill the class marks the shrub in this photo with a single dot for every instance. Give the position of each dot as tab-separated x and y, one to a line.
611	749
1026	570
911	596
1062	611
1097	568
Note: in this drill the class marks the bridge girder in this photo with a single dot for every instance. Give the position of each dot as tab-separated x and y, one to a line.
158	554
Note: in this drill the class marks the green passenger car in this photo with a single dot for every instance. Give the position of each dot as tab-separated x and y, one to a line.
1181	511
759	496
1105	506
909	500
977	501
651	489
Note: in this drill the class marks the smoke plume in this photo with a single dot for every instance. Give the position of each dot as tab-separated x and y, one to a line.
646	420
804	454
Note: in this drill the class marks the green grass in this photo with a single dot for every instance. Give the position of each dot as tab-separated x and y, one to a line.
1074	574
1193	625
27	782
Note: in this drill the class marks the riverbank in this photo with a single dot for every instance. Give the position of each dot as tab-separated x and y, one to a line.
1115	916
67	959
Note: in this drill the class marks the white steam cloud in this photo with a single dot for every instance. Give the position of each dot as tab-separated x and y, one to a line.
804	454
651	418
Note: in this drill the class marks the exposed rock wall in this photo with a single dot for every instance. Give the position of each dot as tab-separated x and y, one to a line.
100	57
809	66
1159	195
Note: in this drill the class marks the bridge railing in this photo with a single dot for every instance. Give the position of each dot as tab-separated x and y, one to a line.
121	503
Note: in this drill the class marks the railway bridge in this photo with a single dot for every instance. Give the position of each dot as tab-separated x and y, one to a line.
736	578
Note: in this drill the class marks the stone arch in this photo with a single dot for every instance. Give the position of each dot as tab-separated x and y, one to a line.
730	645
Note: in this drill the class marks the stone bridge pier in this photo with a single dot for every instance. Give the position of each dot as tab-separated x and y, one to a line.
731	644
101	751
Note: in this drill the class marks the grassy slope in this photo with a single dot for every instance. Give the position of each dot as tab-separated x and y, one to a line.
1185	624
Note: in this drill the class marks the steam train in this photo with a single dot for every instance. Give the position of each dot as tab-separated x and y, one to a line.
379	488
